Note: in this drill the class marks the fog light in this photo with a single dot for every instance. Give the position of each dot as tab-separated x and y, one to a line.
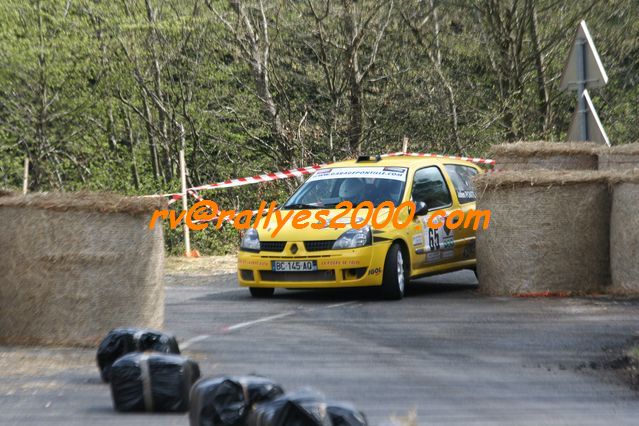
353	273
247	275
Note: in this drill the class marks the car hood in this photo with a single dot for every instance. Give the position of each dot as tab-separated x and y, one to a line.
288	233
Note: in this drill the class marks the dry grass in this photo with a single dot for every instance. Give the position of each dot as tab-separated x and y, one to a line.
15	361
410	419
618	158
630	176
208	265
629	148
624	234
543	149
545	156
41	369
102	202
538	178
72	272
540	218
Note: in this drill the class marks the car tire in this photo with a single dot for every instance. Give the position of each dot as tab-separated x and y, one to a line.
261	292
395	276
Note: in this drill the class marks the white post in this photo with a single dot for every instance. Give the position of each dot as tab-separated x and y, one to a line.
405	145
25	180
185	206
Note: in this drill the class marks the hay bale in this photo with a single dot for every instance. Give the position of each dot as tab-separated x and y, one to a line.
545	155
75	266
624	234
548	232
620	157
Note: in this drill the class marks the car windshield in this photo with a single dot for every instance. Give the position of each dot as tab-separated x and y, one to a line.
328	187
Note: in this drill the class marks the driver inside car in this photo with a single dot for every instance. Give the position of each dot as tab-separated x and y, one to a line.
353	190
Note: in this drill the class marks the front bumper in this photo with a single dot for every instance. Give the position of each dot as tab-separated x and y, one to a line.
360	267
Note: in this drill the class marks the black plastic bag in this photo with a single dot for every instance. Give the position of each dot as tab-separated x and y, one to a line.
121	341
343	414
152	382
302	408
226	401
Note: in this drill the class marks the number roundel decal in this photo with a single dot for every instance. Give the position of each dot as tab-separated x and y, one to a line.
433	239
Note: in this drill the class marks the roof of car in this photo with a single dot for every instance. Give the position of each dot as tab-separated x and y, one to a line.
400	161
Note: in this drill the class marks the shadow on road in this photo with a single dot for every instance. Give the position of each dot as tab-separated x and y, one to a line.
419	288
450	283
439	284
427	288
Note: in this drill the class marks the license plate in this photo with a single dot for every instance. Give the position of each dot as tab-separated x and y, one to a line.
294	265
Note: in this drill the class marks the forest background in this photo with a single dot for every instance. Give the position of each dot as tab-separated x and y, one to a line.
102	95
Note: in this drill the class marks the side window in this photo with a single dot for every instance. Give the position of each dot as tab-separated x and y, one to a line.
462	177
430	187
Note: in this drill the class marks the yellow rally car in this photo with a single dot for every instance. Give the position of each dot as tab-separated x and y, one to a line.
386	258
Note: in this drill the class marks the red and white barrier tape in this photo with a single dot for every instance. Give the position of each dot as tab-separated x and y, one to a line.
176	197
284	174
301	171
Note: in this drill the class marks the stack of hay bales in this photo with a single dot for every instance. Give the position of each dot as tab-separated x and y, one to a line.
545	155
75	266
620	157
624	233
549	231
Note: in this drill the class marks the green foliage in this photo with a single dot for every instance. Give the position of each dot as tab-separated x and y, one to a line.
102	95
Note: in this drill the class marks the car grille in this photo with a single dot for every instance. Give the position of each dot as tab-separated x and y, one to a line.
318	245
272	245
326	275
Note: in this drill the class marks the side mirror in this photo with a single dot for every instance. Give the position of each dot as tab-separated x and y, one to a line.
421	209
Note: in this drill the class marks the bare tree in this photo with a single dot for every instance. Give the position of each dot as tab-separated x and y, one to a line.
352	32
417	18
518	55
251	32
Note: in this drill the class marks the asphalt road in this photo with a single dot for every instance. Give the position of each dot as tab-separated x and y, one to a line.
444	352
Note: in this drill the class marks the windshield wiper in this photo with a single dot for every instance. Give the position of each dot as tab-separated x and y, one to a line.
296	206
331	205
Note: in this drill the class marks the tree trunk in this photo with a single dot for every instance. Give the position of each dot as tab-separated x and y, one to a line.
356	95
157	81
542	88
151	138
356	116
135	176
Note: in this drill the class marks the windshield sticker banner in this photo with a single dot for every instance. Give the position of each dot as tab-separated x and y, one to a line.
393	173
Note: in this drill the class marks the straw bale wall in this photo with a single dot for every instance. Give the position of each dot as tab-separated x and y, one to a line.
619	157
545	155
74	266
624	234
549	231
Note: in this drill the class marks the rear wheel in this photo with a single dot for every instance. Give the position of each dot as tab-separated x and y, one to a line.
261	292
394	281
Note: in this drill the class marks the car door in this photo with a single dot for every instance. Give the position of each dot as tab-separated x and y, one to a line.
461	177
432	246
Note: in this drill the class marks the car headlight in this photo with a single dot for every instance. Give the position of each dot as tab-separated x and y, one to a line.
354	238
250	241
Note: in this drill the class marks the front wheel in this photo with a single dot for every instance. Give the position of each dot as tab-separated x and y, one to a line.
394	280
261	292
